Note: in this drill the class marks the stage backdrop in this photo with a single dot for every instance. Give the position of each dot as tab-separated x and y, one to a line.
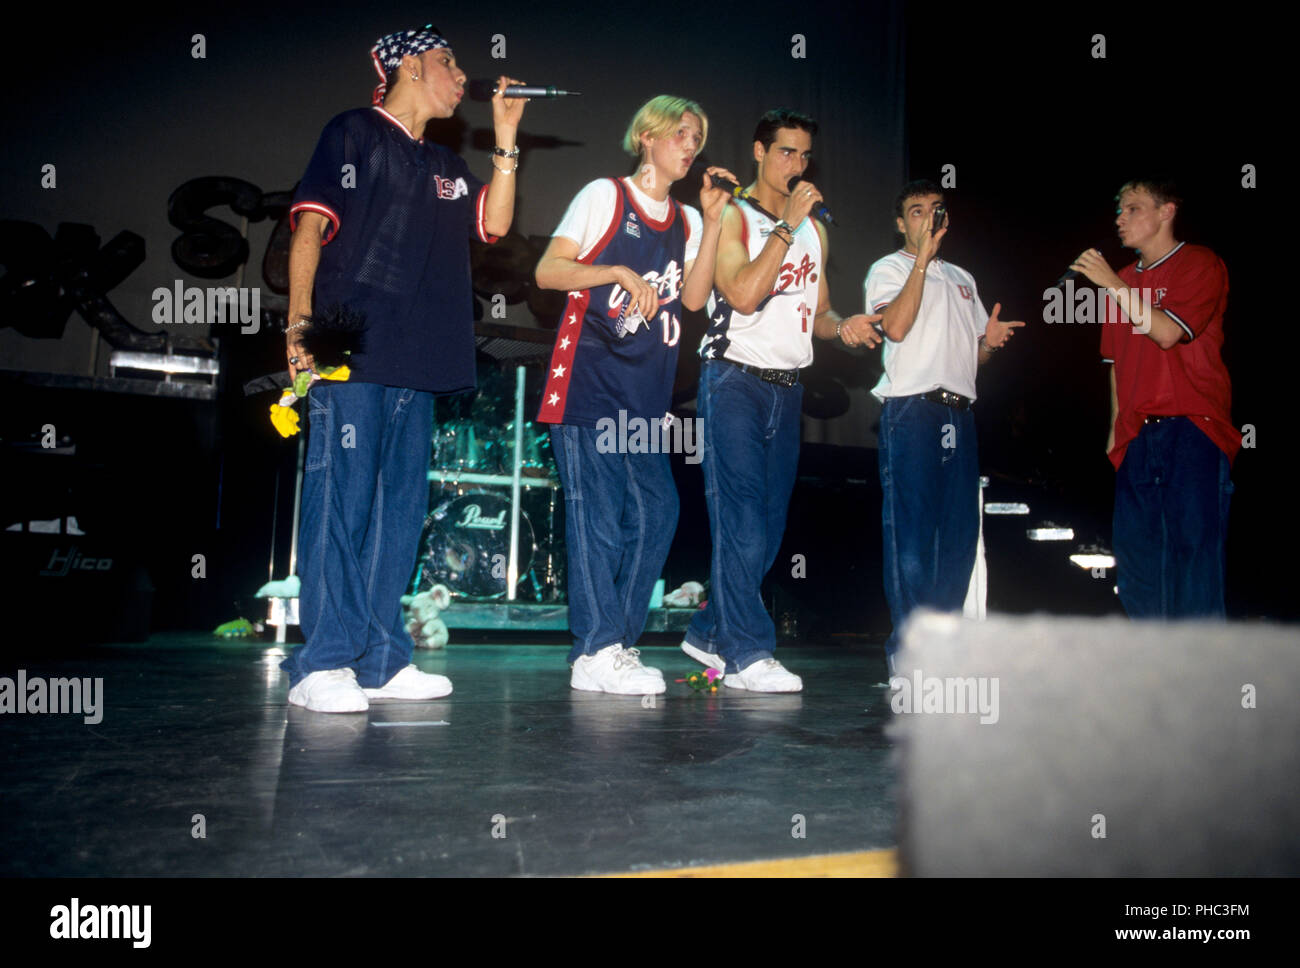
136	113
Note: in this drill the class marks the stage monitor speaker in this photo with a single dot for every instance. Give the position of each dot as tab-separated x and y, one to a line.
65	589
1097	747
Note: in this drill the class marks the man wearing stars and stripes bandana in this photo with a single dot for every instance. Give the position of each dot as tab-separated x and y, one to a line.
381	226
630	258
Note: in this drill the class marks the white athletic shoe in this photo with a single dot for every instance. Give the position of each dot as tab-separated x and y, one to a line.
412	685
330	691
765	675
710	659
617	670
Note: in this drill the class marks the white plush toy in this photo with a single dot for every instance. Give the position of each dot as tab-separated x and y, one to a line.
688	596
427	630
284	588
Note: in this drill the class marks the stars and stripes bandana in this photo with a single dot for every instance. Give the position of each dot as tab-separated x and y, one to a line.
388	52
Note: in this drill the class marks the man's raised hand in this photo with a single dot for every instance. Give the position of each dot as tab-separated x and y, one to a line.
1092	265
800	202
928	247
714	200
507	110
858	331
998	331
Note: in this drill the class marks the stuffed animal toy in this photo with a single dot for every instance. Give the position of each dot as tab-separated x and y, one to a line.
427	630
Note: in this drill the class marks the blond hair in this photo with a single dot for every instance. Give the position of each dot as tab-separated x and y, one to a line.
658	117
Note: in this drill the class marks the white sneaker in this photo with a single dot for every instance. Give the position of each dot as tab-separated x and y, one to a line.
765	675
617	670
412	685
710	659
330	691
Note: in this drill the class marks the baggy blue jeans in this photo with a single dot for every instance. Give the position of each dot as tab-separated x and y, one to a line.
365	493
620	515
1172	492
750	445
929	480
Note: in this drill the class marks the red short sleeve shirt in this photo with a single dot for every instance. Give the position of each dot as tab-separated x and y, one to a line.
1190	284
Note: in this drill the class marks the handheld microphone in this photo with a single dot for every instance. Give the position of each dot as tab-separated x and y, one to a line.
484	90
1069	274
723	182
820	210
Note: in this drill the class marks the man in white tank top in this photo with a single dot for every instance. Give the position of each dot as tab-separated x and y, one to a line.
770	298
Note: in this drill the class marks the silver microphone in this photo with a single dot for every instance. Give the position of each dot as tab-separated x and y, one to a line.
485	90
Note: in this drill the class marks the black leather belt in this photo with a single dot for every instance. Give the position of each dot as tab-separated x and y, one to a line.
785	378
948	399
1157	417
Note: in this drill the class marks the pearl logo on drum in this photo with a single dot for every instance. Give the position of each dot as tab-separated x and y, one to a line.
466	546
474	518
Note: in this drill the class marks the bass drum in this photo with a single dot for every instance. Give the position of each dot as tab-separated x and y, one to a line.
466	546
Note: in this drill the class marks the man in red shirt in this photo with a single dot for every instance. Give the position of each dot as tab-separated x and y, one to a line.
1172	440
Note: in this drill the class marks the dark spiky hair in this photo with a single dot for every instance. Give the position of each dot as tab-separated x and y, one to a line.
773	121
914	189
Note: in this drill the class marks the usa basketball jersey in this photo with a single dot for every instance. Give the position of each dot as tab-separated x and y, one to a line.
605	360
779	333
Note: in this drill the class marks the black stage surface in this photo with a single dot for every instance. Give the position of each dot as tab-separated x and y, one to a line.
578	783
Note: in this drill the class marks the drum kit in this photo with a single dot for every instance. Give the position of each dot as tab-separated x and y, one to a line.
469	445
466	547
466	543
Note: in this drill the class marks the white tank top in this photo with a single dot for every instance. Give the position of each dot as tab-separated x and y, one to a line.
779	333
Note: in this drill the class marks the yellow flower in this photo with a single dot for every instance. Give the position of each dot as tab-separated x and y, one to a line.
285	419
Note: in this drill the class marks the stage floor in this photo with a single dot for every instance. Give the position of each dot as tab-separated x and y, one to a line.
513	774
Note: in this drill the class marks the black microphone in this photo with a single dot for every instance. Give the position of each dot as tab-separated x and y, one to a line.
719	181
820	211
484	90
1069	274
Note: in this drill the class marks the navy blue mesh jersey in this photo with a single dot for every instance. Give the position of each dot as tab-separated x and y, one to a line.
604	361
401	212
